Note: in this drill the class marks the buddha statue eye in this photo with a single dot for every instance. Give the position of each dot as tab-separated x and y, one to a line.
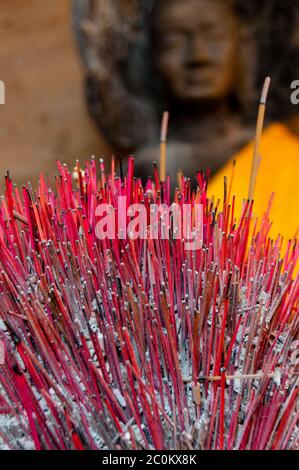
214	32
173	40
214	35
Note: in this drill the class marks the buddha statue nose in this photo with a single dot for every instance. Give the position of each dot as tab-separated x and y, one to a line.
197	53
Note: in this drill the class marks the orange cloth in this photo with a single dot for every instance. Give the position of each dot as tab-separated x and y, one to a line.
278	173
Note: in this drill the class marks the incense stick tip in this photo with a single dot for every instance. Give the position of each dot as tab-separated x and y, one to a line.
265	90
164	126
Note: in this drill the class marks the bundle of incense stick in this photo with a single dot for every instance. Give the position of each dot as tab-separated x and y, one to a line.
140	343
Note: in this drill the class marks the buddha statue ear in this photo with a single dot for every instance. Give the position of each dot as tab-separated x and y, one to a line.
296	29
246	72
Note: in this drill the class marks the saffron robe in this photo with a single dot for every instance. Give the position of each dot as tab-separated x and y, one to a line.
278	173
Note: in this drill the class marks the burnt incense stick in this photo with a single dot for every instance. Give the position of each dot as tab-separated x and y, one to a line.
163	146
19	217
258	134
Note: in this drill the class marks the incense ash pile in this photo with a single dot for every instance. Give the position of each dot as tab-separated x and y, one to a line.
116	344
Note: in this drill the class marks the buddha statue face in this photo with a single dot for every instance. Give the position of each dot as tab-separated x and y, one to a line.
197	48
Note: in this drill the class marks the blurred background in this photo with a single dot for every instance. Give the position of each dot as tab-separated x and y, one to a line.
45	117
87	77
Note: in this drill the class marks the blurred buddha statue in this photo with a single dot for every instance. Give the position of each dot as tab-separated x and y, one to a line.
192	57
205	62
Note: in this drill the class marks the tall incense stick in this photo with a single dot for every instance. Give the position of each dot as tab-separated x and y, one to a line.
258	135
163	144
